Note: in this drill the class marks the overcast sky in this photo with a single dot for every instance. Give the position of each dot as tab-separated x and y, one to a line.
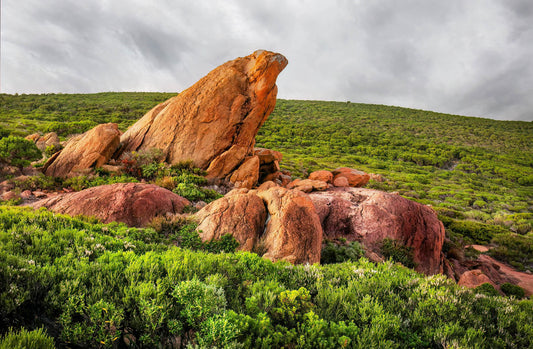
468	57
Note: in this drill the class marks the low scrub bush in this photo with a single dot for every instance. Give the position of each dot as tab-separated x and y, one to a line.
36	339
17	151
107	285
398	252
342	251
512	290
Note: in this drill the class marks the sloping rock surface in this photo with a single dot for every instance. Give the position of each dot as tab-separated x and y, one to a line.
369	216
89	150
241	215
293	232
135	204
280	223
215	121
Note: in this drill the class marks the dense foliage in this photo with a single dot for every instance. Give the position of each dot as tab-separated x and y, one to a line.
95	285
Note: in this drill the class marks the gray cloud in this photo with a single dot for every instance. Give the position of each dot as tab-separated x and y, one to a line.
461	57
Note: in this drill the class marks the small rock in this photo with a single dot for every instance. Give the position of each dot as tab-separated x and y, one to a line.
322	175
341	182
355	178
26	194
10	195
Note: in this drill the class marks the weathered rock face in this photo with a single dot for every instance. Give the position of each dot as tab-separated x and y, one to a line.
322	175
369	216
89	150
474	278
135	204
487	269
241	215
281	223
42	142
355	178
307	185
215	121
293	232
247	175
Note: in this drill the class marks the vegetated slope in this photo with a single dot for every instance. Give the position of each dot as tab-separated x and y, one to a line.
96	285
478	173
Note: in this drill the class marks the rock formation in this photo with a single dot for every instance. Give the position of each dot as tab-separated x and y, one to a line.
241	215
89	150
278	223
355	178
135	204
42	142
369	216
215	121
293	232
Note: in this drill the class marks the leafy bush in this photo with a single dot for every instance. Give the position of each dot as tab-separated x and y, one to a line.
102	285
398	252
333	252
487	289
514	249
477	232
512	290
36	339
17	151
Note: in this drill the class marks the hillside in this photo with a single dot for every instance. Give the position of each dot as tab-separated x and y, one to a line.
93	284
471	170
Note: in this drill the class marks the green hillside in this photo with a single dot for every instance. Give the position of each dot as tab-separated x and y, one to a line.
94	285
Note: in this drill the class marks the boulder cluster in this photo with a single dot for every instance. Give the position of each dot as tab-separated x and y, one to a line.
214	124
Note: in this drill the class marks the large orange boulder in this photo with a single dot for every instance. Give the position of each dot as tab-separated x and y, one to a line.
89	150
215	121
135	204
369	216
293	231
241	215
355	178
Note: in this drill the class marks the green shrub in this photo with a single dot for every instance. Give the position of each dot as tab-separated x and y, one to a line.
333	252
193	192
398	252
52	149
480	233
512	290
17	151
514	249
487	289
198	301
24	339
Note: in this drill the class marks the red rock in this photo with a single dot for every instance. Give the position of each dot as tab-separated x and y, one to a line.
341	182
215	121
39	194
474	278
307	185
241	215
285	179
135	204
323	175
9	195
247	175
267	156
293	232
369	216
42	142
355	178
89	150
26	194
